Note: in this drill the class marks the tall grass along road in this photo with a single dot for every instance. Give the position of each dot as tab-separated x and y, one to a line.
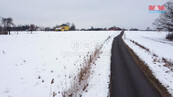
126	78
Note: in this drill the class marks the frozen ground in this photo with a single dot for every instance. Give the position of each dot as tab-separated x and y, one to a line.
43	64
156	52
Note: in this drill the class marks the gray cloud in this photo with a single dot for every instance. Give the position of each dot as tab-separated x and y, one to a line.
84	13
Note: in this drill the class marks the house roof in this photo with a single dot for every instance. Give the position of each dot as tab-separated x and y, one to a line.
64	25
114	28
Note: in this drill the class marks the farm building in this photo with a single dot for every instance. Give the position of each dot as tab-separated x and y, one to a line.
63	27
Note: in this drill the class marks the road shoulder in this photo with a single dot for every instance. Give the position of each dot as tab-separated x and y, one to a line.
147	72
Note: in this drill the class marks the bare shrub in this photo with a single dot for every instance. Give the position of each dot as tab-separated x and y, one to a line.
169	36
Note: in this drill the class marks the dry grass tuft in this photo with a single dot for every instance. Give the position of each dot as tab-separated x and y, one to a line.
141	46
147	72
79	83
168	64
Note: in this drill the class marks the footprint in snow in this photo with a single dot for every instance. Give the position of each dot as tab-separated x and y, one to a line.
39	77
7	91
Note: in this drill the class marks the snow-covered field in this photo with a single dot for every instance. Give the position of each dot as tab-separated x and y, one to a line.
156	52
43	64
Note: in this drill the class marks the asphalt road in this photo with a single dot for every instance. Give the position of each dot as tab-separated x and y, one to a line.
126	78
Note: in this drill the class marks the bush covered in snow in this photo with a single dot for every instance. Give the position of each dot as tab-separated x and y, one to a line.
169	36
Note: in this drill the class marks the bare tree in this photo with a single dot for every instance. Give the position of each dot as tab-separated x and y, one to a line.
32	27
7	22
165	20
73	27
1	29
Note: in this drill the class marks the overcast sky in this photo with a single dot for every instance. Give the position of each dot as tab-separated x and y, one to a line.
83	13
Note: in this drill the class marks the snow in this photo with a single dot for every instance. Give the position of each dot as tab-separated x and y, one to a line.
31	62
158	45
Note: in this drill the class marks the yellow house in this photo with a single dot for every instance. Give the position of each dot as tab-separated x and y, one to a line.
64	27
